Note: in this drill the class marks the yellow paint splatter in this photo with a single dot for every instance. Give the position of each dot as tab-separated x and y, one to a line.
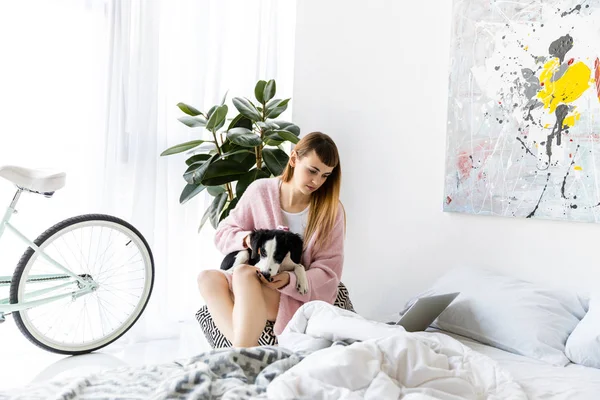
546	126
568	88
526	48
570	120
577	168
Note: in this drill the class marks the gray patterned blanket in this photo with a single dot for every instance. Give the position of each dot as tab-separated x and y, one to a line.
218	374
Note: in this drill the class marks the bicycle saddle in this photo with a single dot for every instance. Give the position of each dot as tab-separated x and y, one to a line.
36	180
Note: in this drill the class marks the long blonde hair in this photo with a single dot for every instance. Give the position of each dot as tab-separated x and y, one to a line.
324	203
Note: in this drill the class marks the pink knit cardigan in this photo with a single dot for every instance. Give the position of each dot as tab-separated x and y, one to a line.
260	208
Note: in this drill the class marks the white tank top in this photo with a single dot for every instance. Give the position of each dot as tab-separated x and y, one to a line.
296	222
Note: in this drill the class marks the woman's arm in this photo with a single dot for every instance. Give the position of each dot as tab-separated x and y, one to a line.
232	231
325	271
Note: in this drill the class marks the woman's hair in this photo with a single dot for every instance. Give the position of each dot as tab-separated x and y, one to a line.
324	202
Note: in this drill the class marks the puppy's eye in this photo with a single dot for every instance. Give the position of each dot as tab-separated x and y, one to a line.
263	252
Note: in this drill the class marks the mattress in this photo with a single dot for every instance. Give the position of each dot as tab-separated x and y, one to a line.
539	379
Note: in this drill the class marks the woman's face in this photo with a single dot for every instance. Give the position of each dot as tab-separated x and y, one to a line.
309	172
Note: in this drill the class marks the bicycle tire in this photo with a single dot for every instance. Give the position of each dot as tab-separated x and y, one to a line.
52	235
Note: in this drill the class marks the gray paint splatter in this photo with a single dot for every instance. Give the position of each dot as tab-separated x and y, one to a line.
561	113
560	47
532	105
562	188
532	86
576	8
532	213
561	71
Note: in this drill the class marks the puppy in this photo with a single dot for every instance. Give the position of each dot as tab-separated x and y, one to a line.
272	251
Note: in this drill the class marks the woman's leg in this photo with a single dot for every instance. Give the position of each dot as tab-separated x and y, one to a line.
254	304
214	288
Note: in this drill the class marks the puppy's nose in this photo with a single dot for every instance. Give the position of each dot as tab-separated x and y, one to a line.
267	276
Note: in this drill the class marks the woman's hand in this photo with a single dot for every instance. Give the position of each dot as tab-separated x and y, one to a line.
279	281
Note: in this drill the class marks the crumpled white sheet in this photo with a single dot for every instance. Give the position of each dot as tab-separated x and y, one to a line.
383	362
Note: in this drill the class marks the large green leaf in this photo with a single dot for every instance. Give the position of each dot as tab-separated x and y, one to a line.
273	139
223	171
269	91
288	126
222	179
224	98
276	160
272	104
287	136
240	122
228	209
189	110
214	210
196	158
258	91
276	111
180	148
223	168
244	137
240	131
217	118
215	190
228	146
211	111
234	152
247	161
190	191
249	177
192	122
269	125
196	171
246	108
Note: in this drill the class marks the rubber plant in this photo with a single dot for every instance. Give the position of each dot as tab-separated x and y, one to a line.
249	148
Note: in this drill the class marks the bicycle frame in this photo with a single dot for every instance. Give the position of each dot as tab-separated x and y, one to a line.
84	286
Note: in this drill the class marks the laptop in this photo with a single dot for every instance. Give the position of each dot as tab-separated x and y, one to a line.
424	311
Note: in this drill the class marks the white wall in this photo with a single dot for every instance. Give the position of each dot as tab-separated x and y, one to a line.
373	75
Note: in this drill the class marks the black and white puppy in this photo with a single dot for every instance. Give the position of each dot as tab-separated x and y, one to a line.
272	251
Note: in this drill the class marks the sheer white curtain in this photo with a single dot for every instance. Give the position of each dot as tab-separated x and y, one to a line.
107	77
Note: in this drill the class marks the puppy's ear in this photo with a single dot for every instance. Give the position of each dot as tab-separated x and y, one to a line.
255	239
295	243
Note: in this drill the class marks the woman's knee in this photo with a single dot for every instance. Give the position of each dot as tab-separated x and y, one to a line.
244	275
211	279
244	272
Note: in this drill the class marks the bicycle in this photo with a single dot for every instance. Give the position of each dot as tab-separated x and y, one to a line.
83	283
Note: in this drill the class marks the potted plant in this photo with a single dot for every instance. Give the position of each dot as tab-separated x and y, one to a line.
250	148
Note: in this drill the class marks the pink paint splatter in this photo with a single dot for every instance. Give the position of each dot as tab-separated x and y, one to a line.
464	164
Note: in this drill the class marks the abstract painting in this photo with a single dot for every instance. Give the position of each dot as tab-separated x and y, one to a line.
523	133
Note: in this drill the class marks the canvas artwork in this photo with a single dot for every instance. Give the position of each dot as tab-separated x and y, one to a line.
523	133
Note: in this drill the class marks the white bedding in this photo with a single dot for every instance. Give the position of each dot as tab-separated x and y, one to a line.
386	363
540	380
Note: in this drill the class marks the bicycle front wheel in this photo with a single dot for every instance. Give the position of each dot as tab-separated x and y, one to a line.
101	249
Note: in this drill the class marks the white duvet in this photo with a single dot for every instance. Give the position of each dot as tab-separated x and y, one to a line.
383	362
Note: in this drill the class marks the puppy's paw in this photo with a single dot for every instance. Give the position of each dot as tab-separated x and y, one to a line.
302	286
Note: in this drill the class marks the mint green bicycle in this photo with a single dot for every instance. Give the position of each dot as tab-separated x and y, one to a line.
83	282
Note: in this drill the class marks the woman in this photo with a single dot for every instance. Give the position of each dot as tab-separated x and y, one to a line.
305	198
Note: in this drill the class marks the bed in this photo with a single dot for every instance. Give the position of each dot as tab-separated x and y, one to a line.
540	380
502	338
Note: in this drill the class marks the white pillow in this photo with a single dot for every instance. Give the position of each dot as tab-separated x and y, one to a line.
583	346
508	313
